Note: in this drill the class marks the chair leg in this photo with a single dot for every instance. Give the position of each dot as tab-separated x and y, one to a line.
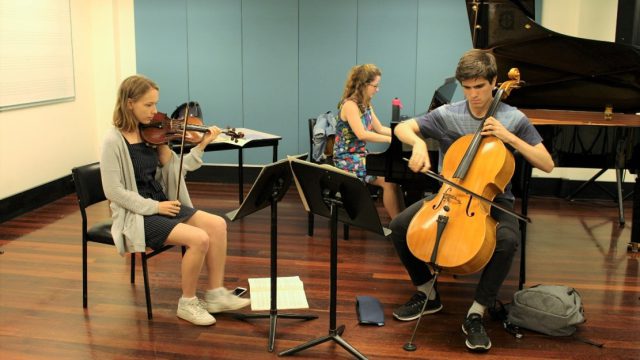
346	231
523	256
133	268
84	274
310	224
147	293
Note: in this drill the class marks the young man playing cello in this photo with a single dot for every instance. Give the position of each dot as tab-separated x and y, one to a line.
477	73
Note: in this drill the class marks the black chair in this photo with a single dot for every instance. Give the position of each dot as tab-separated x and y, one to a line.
329	160
311	123
88	184
520	188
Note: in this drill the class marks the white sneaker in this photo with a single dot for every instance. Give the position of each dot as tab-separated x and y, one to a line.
221	299
193	311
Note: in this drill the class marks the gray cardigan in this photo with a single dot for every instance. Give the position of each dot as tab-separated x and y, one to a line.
119	184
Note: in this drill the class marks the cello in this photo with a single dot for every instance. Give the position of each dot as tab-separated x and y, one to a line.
454	231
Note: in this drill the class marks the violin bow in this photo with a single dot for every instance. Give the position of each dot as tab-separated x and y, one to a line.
184	134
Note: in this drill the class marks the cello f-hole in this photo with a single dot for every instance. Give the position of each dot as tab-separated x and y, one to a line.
468	211
444	196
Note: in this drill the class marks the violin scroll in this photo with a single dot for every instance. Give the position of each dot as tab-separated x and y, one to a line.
233	134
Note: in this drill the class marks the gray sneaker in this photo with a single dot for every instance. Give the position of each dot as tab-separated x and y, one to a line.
221	299
193	312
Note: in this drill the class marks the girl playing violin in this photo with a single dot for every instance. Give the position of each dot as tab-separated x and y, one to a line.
139	180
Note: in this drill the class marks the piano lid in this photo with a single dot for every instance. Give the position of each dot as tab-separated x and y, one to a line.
560	71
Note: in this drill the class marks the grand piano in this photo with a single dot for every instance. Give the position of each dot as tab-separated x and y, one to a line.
583	95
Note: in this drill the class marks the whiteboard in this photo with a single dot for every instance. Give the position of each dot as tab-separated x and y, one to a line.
36	54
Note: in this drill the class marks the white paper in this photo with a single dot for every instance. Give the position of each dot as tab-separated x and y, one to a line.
290	293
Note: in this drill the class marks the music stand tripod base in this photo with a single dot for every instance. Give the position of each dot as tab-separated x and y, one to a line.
340	196
269	188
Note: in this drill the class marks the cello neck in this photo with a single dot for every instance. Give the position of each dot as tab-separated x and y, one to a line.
470	154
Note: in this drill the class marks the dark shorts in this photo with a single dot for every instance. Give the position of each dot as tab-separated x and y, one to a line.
157	227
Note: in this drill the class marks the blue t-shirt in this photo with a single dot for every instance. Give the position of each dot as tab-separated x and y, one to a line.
448	123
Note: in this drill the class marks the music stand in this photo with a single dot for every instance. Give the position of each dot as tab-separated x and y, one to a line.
268	189
330	192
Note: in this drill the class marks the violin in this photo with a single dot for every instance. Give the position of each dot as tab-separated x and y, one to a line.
163	129
454	230
189	130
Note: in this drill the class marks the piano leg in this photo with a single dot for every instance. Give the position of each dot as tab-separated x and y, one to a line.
619	179
635	226
585	184
618	196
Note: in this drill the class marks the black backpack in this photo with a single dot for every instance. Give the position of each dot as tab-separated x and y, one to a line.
194	110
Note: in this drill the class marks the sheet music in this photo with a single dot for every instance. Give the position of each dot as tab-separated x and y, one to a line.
300	192
290	293
249	135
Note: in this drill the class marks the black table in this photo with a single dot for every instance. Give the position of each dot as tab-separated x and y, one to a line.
252	139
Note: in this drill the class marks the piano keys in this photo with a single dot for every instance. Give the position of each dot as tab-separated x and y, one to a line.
391	164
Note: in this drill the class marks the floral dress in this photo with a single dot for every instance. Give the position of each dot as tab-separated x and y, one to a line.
349	152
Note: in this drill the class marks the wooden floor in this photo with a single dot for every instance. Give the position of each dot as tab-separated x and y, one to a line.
41	316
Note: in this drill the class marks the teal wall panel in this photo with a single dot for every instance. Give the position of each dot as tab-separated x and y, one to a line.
443	36
269	65
328	43
161	48
215	65
270	72
387	37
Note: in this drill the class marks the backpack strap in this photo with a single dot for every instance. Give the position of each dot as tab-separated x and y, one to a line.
499	311
587	341
512	329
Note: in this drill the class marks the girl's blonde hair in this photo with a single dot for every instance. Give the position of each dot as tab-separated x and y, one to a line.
133	87
356	85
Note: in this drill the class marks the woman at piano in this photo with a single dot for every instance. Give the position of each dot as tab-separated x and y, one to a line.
358	124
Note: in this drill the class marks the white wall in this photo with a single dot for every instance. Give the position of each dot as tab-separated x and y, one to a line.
41	144
590	19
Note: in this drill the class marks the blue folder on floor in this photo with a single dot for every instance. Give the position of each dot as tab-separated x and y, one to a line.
369	310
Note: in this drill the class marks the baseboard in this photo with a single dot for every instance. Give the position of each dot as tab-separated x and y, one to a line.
32	199
563	188
224	174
